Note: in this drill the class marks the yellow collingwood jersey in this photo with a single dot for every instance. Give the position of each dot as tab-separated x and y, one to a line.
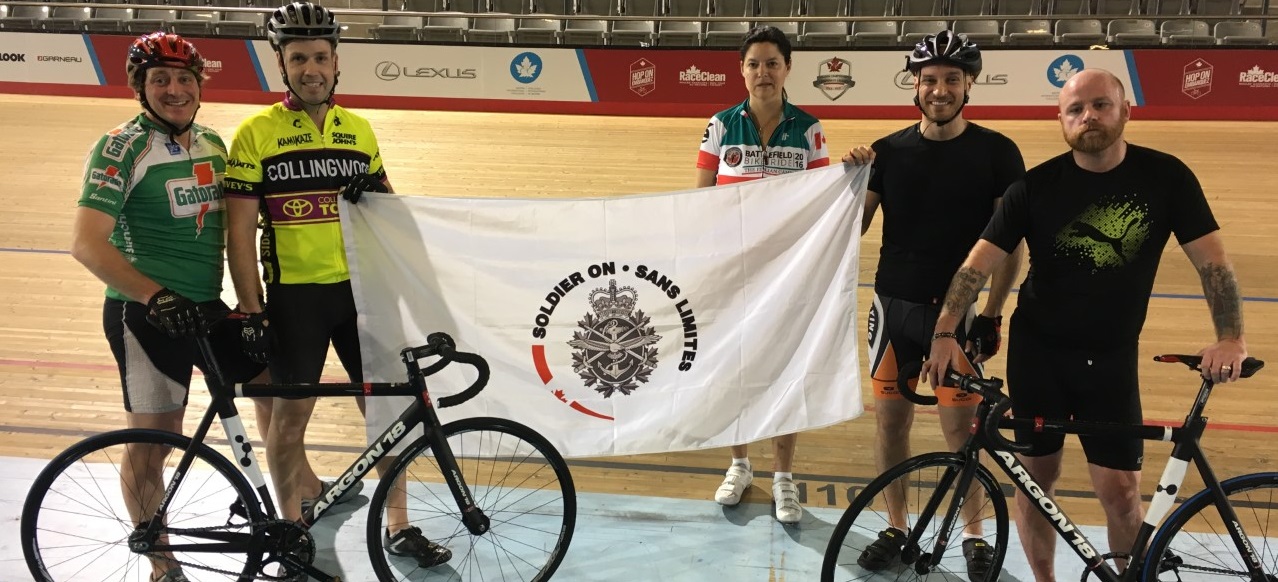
296	171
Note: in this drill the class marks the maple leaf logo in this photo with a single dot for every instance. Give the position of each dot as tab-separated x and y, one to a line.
526	68
1065	71
1256	70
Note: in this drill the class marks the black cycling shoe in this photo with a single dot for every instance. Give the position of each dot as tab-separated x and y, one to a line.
884	551
980	558
411	543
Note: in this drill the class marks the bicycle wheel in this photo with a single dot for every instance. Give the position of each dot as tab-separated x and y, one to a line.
515	476
1194	544
916	481
76	522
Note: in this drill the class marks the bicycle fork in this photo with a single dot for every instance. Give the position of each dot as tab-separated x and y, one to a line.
925	562
472	516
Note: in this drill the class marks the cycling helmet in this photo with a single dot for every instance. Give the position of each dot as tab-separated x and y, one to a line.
945	47
162	50
301	20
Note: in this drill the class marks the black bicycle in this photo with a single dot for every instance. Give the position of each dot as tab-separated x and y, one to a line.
493	491
1203	539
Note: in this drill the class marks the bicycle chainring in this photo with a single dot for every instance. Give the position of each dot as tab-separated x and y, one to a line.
286	538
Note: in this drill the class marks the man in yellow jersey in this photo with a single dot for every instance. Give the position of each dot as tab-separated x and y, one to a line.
288	164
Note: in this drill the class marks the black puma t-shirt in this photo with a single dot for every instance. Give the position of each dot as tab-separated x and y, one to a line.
1095	241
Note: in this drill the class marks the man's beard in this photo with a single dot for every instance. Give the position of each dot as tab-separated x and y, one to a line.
1090	142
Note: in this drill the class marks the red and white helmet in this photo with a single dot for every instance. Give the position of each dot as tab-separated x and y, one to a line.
160	49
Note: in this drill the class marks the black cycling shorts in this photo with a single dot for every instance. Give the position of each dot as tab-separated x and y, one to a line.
1084	385
305	318
900	333
155	369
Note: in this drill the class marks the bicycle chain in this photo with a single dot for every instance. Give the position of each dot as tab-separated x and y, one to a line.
260	575
1192	568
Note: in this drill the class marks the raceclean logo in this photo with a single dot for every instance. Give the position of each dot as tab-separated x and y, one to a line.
614	345
699	78
1258	77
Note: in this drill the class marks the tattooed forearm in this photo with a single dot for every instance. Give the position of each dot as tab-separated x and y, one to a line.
964	288
1223	299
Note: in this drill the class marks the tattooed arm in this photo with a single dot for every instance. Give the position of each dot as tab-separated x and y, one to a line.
964	289
1222	361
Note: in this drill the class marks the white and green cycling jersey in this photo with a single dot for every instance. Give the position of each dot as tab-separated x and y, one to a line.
167	203
733	148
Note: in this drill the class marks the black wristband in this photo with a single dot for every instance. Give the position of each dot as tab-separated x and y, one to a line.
940	334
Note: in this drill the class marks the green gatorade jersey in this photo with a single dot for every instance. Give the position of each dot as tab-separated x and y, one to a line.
295	170
166	201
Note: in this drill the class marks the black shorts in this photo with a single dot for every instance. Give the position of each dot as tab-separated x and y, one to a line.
1084	385
305	318
155	369
900	333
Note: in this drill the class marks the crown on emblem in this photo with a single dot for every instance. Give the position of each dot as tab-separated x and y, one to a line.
613	302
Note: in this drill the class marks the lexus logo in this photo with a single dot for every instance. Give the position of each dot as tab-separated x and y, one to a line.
297	208
387	71
905	80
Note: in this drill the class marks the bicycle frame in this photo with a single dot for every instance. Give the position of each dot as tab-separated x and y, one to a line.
420	412
1185	448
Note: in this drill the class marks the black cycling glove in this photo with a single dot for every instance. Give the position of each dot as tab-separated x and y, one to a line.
255	337
360	184
174	314
986	334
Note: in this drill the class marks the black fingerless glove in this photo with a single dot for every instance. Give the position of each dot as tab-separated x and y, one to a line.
986	334
255	337
360	184
175	315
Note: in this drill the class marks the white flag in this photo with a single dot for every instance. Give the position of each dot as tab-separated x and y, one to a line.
627	325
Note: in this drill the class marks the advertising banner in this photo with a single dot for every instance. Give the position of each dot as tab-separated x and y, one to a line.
1017	78
47	58
228	62
463	72
1210	83
677	76
1208	78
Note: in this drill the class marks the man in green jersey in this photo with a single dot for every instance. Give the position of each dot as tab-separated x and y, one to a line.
150	226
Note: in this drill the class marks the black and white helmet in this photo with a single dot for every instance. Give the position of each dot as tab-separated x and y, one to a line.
945	48
301	20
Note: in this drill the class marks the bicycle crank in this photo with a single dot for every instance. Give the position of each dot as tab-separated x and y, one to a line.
288	545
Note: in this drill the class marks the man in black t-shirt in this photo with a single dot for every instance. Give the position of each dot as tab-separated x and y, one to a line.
938	182
1095	220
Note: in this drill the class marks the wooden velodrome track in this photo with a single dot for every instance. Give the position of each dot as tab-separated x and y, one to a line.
58	382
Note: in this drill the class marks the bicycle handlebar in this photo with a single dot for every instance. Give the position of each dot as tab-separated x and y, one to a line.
989	389
903	377
442	345
1249	366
